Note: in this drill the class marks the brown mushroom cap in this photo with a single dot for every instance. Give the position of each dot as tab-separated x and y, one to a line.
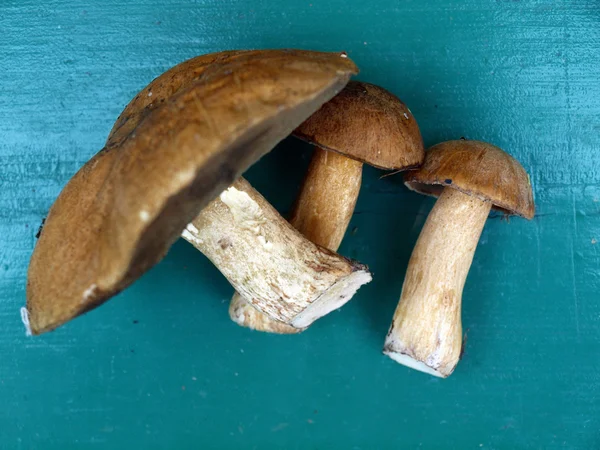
121	212
165	86
367	123
475	168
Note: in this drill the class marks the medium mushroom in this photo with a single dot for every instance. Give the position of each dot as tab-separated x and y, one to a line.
469	178
363	123
121	212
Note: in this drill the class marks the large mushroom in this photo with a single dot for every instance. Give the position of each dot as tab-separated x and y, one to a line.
362	124
166	161
469	178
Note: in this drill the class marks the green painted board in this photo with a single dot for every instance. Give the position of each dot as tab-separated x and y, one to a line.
161	366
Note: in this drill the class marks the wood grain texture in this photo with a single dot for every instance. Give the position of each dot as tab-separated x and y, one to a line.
162	366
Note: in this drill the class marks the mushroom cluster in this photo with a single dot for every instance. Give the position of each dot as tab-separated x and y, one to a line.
172	167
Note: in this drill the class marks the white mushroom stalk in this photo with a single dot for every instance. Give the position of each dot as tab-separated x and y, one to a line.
426	333
321	215
268	262
470	177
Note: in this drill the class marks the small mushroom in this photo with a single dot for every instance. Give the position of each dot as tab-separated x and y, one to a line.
363	123
121	212
469	178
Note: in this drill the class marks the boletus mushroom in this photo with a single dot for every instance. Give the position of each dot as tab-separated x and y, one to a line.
469	178
362	124
124	208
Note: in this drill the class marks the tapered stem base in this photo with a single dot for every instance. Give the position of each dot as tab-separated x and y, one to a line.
426	332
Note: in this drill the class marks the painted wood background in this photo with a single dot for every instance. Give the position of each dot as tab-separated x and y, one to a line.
161	366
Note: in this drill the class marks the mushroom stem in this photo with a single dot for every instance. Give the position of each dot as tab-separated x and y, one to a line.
321	213
426	332
282	273
327	198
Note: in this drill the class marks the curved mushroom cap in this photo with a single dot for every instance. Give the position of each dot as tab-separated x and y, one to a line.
165	86
475	168
121	212
367	123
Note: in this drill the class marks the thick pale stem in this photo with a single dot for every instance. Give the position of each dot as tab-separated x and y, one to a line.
426	333
322	213
280	272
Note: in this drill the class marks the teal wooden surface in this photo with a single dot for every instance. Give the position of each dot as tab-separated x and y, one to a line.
161	365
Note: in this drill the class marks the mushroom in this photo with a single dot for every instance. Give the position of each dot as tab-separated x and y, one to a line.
124	208
363	123
469	178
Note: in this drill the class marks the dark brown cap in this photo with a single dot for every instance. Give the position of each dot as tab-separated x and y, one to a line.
121	212
475	168
367	123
